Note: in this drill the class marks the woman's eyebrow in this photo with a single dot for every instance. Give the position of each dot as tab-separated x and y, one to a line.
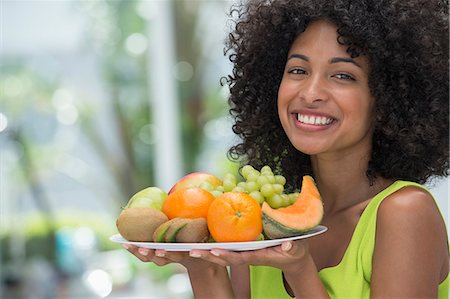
332	60
344	59
300	56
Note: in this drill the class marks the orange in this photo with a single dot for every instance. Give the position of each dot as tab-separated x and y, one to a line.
235	217
188	203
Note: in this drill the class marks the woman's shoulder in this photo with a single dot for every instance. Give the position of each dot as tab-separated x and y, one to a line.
409	202
409	226
410	209
410	218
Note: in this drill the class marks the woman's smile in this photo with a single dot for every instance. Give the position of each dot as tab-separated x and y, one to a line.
309	121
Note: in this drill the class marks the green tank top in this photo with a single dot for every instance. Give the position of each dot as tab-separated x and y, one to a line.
351	277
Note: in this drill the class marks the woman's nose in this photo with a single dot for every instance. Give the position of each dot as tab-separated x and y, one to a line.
314	89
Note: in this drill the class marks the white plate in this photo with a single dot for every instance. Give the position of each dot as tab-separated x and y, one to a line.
235	246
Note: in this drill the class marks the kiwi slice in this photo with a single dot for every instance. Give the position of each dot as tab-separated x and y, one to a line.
139	224
195	231
174	228
160	232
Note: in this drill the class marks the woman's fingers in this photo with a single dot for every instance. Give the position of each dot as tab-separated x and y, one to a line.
146	255
224	257
278	256
213	256
162	257
173	256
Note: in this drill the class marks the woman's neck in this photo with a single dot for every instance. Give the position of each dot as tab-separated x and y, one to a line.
343	182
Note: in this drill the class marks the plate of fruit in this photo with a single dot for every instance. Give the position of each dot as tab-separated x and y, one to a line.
234	246
202	211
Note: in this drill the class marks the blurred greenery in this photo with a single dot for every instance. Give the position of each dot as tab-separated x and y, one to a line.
40	241
58	142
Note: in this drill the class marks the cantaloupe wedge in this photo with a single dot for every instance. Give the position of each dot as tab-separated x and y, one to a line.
296	219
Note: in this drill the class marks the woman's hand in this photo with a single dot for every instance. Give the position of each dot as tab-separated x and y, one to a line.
208	280
289	256
293	258
162	257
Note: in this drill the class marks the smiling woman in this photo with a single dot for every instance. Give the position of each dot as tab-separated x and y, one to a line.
406	67
355	95
350	93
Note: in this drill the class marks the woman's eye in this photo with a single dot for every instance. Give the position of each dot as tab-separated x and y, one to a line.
297	71
344	76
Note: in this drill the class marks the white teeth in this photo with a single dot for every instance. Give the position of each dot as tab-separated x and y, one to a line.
318	120
314	120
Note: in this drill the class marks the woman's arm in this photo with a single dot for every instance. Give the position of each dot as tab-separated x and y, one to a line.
208	280
292	258
411	254
303	278
240	280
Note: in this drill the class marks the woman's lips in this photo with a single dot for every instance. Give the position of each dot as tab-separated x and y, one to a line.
312	121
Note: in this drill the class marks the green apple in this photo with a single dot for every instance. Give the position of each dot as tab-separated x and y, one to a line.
151	197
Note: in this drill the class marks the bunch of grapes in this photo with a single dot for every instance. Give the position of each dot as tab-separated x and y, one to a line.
262	185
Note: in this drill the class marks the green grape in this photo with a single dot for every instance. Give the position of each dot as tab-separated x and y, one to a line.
253	176
242	184
266	174
239	189
246	170
266	170
278	188
267	190
271	179
258	196
216	193
285	200
279	179
262	180
230	177
293	197
219	188
275	201
252	186
206	186
228	185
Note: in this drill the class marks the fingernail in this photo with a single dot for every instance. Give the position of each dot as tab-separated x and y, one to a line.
159	253
215	253
286	246
143	251
126	246
194	254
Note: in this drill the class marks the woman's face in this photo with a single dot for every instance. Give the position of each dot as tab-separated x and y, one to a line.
324	101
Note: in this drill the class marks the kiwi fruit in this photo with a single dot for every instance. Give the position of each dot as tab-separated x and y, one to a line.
160	232
167	231
174	228
195	231
139	224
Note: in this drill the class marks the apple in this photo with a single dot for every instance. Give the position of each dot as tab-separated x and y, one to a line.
195	179
151	197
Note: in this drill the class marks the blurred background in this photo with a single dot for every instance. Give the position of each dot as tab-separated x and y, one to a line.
98	100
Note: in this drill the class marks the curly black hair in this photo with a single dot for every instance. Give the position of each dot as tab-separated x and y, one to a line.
406	42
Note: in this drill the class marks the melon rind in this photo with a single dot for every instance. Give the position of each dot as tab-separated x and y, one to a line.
300	217
275	230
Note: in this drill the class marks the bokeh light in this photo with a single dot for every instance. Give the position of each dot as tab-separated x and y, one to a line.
3	122
136	44
183	71
99	281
